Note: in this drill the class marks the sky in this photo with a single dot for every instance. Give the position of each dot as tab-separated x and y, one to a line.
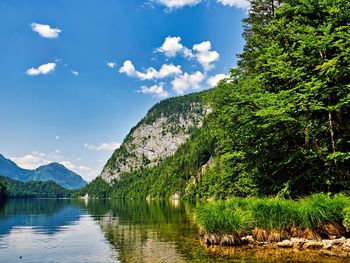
76	76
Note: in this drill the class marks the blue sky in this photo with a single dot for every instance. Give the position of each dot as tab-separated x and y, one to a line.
76	76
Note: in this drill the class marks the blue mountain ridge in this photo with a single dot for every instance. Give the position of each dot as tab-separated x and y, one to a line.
52	172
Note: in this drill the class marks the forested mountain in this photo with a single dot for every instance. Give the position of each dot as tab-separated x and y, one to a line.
52	172
279	125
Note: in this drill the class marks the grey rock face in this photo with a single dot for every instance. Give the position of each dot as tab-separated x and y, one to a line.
150	143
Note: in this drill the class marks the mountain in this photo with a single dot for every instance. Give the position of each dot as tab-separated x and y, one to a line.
52	172
10	169
162	154
58	173
167	126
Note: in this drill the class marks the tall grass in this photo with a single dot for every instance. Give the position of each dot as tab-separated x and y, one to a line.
224	217
240	215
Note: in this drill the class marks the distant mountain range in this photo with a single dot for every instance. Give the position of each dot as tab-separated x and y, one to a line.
52	172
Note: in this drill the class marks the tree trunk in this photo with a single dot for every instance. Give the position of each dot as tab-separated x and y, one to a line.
331	130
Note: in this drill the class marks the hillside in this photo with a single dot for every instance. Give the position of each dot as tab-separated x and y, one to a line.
33	189
51	172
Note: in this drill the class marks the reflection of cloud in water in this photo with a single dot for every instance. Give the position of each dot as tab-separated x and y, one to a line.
44	216
78	243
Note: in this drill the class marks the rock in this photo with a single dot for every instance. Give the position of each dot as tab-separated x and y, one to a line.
248	239
300	241
285	244
328	253
313	245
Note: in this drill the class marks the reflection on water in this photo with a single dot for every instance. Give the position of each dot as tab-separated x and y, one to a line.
108	231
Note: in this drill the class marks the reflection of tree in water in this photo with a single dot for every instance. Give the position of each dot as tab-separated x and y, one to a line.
43	215
147	231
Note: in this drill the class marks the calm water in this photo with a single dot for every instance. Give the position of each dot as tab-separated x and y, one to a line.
106	231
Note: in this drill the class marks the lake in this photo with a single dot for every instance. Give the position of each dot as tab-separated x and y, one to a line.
109	231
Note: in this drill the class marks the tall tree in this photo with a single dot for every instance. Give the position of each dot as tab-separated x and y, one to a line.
260	15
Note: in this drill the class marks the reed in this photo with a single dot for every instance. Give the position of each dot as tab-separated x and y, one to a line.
275	219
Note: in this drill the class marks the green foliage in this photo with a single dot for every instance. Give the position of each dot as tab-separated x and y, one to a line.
98	188
224	217
33	189
242	215
320	209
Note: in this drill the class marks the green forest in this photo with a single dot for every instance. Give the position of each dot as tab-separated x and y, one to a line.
280	123
32	189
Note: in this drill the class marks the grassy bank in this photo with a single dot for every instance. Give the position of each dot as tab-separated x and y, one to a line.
271	219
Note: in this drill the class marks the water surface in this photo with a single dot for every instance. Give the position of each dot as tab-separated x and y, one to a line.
111	231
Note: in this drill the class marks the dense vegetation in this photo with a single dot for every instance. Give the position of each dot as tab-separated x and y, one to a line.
2	190
280	123
315	217
33	189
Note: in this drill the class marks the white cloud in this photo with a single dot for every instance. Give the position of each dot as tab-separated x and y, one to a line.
128	68
214	80
165	71
171	46
57	137
43	69
244	4
174	4
187	81
46	31
111	64
151	73
155	90
74	72
32	160
103	146
187	52
205	55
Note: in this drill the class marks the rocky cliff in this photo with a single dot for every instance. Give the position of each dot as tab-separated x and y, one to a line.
157	136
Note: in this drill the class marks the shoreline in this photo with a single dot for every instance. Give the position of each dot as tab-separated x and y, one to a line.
225	245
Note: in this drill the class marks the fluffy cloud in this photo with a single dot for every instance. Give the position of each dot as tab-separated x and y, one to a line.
172	46
76	73
205	55
151	73
32	160
214	80
187	81
165	71
111	64
43	69
46	31
103	146
155	90
128	69
244	4
174	4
